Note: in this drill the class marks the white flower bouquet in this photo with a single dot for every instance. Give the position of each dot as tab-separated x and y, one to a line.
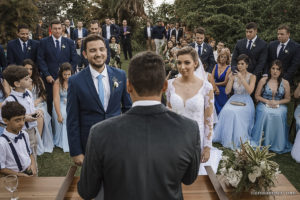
249	169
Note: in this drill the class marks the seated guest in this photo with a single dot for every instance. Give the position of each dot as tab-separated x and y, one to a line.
271	114
146	153
60	88
16	155
38	90
236	119
167	51
18	78
221	73
296	148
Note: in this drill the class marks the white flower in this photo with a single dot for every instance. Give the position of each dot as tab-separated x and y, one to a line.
28	48
234	177
263	165
257	171
253	45
252	177
204	50
63	46
286	51
225	158
116	84
223	171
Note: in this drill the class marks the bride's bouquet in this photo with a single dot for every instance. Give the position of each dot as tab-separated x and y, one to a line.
247	169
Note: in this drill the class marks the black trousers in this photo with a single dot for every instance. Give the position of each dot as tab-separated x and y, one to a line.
126	45
49	90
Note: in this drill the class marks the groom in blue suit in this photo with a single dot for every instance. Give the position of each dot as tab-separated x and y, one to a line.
53	51
22	48
96	93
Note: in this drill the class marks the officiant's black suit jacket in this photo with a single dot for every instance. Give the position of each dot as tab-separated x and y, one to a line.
144	154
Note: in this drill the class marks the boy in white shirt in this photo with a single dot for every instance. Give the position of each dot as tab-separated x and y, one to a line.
16	156
18	78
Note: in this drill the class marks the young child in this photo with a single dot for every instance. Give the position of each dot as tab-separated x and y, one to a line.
18	78
16	156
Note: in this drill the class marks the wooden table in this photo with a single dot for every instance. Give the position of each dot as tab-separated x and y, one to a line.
34	188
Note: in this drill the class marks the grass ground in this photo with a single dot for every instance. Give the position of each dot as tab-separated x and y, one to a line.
57	163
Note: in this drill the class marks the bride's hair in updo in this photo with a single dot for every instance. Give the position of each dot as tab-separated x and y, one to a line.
191	51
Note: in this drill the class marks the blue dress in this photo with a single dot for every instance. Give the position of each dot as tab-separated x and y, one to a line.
220	99
296	148
47	135
60	129
272	122
235	122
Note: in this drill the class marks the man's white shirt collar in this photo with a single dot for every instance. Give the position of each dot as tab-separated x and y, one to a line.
253	40
54	39
145	103
21	42
285	43
95	74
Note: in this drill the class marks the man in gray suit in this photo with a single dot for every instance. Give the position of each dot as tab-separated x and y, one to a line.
147	152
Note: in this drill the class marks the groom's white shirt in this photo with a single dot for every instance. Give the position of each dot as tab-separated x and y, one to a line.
105	81
145	103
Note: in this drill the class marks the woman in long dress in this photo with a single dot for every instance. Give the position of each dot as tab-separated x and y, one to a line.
193	98
271	127
296	148
236	119
59	112
221	73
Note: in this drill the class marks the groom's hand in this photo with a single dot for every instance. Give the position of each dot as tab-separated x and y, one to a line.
78	160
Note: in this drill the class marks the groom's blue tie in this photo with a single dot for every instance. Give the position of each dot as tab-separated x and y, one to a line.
100	89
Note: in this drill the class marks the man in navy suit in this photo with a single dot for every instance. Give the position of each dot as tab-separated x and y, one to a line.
205	51
80	32
2	60
287	51
53	51
108	29
94	29
255	48
96	93
125	33
148	31
69	29
177	32
22	47
117	29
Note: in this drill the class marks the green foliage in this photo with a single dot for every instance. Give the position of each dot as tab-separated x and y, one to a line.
13	13
225	20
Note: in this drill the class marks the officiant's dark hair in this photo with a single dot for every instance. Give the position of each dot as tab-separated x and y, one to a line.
90	38
146	73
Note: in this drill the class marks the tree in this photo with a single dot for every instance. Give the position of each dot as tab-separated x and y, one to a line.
13	13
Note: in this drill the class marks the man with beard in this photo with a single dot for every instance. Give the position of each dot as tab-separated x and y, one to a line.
22	48
96	93
94	28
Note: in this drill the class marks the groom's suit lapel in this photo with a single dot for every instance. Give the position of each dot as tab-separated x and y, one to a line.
91	85
111	85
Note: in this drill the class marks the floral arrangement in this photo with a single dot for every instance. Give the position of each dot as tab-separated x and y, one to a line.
249	169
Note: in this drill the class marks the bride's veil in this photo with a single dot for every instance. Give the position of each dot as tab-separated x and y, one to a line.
200	72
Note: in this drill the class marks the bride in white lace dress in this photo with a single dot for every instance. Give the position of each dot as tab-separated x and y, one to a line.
193	97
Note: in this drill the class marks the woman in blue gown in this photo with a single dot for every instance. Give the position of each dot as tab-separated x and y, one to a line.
296	148
271	114
221	73
59	113
236	119
39	96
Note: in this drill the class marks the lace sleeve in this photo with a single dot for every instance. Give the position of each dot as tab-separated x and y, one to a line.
168	92
208	114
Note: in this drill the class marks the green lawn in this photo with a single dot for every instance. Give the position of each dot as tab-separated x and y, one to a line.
58	162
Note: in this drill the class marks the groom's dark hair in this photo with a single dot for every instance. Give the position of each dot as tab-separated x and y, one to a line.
90	38
146	73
